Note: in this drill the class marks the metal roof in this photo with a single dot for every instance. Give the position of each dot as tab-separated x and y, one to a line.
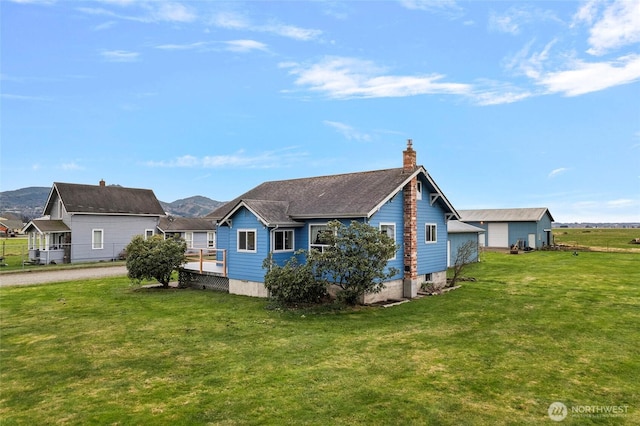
457	227
504	215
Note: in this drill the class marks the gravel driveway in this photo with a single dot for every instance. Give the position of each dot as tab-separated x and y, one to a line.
51	276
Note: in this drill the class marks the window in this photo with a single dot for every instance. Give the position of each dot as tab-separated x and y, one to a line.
390	230
428	278
97	239
247	240
317	237
188	237
419	190
148	233
283	240
430	234
60	209
211	240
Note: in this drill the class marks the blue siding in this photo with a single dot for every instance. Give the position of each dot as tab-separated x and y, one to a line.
243	265
392	212
432	257
457	240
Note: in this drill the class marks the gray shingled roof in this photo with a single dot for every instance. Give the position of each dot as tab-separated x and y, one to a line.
457	227
46	225
504	215
97	199
185	224
348	195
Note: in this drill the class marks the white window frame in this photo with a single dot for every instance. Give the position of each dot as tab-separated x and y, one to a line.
246	240
211	239
188	237
389	225
94	244
434	233
312	245
60	209
284	240
419	190
148	233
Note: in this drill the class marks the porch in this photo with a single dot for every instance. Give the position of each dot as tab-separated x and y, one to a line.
207	261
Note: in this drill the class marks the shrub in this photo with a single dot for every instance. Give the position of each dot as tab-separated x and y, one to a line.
355	260
293	283
154	258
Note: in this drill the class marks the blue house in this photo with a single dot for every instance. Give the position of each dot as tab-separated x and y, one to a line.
521	227
283	216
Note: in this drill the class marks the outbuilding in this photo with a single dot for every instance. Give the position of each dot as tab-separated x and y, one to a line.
505	228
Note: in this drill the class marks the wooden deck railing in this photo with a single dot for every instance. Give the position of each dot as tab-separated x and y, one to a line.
204	255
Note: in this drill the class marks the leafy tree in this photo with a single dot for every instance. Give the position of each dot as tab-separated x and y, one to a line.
355	259
293	283
154	258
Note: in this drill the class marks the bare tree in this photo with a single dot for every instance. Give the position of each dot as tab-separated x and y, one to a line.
467	253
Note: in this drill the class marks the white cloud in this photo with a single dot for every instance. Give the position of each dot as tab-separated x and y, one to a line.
513	19
24	97
449	6
236	21
119	56
556	172
104	26
586	77
146	11
187	46
71	166
231	45
245	45
348	132
265	160
172	12
345	78
614	26
621	203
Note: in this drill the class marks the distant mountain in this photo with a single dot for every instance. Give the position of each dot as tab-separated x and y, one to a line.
196	206
26	203
29	202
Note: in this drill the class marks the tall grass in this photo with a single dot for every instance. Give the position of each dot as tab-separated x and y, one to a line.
534	329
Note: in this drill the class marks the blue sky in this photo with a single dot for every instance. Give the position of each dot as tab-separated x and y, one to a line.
509	104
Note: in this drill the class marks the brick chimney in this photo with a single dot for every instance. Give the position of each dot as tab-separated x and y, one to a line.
410	235
409	158
102	182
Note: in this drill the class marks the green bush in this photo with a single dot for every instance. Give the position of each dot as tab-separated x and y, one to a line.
154	258
293	283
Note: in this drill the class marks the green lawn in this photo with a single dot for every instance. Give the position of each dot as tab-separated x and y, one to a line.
612	239
534	329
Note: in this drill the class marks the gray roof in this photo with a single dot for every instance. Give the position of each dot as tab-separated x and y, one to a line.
97	199
46	225
457	227
185	224
504	215
351	195
11	223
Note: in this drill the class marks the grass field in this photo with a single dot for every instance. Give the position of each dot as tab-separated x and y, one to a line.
534	329
601	239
